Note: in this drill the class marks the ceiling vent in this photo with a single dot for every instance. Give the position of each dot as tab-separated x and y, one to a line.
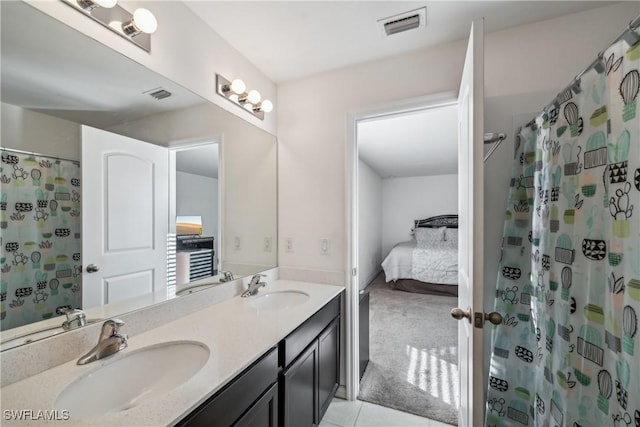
403	22
159	93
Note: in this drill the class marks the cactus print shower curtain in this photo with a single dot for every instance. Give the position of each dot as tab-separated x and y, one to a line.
40	260
568	350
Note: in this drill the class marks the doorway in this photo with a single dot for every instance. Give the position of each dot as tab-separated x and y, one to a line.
398	174
195	209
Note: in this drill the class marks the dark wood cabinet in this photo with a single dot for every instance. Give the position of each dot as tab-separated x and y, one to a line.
310	378
300	390
291	385
242	397
263	413
328	365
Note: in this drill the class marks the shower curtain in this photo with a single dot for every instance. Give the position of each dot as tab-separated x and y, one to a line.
568	350
40	222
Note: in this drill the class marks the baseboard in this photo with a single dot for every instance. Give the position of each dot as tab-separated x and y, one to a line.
341	392
372	277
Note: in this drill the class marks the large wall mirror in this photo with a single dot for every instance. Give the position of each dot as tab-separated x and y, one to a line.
63	93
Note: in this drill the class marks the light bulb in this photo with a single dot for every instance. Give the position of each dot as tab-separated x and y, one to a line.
145	21
238	87
253	96
266	106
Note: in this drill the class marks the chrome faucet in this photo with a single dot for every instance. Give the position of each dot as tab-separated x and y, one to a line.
254	285
226	276
110	342
75	319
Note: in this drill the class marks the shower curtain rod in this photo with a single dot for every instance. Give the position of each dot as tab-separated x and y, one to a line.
633	25
39	154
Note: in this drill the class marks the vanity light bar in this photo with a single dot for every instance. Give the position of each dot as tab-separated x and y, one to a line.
136	27
235	91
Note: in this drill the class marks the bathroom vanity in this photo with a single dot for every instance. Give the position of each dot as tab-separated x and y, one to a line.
271	359
291	385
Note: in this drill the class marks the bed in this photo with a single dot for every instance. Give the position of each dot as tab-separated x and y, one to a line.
429	262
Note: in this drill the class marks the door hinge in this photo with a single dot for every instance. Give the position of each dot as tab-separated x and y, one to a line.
478	320
354	272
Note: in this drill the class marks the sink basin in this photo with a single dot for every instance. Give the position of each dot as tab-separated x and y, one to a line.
278	300
141	375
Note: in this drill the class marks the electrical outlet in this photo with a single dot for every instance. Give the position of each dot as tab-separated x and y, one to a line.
324	246
236	243
267	244
288	244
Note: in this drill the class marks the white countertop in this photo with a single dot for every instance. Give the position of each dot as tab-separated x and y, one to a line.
235	333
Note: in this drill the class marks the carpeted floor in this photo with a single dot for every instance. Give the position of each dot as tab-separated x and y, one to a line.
413	363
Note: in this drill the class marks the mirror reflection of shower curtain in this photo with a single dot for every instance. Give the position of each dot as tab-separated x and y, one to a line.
40	221
568	350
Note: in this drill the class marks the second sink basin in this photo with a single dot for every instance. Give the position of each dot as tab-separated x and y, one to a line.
141	375
278	300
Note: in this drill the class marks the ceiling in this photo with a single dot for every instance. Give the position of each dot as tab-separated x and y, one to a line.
418	143
67	78
202	160
289	40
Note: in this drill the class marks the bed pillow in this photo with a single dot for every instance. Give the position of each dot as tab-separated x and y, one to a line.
428	236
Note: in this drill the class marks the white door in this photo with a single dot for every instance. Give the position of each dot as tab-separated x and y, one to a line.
125	217
470	245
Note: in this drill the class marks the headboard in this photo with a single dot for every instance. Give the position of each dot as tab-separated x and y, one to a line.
449	221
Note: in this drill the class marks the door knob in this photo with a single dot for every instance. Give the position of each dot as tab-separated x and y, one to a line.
493	317
459	314
92	268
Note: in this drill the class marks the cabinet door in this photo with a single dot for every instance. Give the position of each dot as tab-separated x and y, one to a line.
227	406
328	365
263	413
300	384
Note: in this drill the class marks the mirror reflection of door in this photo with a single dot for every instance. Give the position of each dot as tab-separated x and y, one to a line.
125	219
197	205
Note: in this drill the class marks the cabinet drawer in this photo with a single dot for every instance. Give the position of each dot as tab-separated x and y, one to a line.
298	340
226	406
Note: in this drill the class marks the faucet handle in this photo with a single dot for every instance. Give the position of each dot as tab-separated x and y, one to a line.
256	278
110	328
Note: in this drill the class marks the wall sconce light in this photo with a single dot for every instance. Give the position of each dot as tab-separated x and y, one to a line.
135	27
236	92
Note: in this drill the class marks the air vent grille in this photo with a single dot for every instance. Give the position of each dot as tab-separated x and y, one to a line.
400	25
403	22
160	94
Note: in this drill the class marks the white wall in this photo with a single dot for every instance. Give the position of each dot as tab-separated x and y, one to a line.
39	133
521	62
198	195
369	224
524	68
407	199
183	49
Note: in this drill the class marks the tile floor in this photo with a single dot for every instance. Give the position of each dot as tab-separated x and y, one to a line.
343	413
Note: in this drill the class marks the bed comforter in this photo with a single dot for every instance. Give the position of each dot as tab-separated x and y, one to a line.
435	264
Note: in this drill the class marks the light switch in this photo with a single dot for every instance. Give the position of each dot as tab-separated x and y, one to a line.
236	243
324	246
267	244
288	244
